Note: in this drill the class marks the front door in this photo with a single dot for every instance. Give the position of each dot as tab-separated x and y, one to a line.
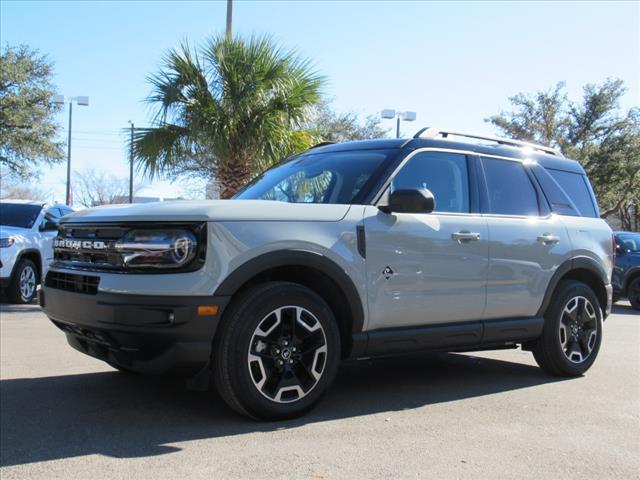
431	268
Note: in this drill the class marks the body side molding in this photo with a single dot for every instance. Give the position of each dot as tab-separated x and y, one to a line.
447	337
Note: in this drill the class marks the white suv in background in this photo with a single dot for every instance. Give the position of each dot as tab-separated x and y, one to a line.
27	230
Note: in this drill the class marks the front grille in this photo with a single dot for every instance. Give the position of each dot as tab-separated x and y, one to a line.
71	282
80	253
97	247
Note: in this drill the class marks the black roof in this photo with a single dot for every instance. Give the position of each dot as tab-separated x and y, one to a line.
544	159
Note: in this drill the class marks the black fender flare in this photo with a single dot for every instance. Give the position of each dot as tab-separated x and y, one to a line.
297	258
583	263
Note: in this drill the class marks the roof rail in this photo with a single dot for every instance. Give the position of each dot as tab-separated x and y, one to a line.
433	132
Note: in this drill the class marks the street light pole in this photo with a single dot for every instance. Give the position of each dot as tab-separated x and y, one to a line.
131	165
68	196
61	100
406	116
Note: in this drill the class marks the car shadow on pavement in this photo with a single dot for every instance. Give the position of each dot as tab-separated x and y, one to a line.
127	415
28	308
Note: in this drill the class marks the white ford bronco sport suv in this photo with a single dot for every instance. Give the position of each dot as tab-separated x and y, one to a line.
445	241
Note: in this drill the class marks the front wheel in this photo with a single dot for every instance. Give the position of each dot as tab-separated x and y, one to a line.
633	293
277	351
24	282
572	331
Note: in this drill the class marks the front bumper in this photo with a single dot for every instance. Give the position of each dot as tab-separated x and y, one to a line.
147	334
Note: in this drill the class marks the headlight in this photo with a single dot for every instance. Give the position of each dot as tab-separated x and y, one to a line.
6	242
157	248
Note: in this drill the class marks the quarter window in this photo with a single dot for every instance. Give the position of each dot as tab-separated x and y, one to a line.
509	187
444	174
574	185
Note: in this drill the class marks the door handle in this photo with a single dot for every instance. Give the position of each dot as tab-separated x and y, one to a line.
465	236
548	239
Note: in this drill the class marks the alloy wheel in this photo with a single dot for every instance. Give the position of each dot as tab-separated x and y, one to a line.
287	354
578	329
27	282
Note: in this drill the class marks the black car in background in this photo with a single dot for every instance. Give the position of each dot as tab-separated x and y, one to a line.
626	273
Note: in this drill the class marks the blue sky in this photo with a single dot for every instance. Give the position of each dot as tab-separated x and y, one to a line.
454	63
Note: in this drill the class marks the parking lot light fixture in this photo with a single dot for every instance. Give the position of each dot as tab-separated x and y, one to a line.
406	116
61	100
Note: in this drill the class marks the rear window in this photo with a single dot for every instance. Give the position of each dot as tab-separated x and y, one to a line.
576	187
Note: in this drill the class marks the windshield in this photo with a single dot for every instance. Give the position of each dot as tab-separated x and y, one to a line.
18	214
629	241
331	177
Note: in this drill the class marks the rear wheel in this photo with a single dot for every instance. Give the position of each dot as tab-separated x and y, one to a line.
633	293
277	351
572	331
24	282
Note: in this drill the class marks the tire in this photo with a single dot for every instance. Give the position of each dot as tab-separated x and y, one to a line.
276	352
572	331
633	293
24	282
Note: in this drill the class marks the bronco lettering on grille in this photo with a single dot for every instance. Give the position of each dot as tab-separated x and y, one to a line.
79	244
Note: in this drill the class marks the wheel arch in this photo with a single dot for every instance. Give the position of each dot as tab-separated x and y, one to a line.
583	269
631	275
33	255
312	270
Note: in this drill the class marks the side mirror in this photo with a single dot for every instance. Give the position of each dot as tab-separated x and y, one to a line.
620	250
419	200
48	226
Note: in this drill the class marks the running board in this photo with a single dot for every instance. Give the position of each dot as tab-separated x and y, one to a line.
476	335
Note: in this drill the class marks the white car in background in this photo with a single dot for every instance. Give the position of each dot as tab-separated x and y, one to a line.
27	230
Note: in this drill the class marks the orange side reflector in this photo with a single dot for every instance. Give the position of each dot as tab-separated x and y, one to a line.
204	310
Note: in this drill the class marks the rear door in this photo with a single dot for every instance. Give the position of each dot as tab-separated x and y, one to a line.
526	242
428	268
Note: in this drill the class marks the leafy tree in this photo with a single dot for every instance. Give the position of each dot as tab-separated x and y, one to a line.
329	126
27	125
228	109
594	131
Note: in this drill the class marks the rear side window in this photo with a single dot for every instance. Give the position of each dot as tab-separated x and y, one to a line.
443	174
575	186
510	189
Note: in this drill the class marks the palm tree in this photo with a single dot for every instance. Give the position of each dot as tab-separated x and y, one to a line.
227	110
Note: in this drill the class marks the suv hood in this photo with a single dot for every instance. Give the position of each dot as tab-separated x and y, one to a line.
210	210
7	231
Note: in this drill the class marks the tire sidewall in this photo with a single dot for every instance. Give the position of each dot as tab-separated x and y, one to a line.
16	292
246	318
552	325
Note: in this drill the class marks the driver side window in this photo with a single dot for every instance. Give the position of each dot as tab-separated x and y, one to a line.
444	174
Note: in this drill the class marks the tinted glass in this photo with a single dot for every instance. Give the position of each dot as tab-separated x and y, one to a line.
575	186
510	189
332	177
629	241
444	174
18	215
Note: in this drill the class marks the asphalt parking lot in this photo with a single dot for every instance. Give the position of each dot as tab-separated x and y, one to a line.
486	415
